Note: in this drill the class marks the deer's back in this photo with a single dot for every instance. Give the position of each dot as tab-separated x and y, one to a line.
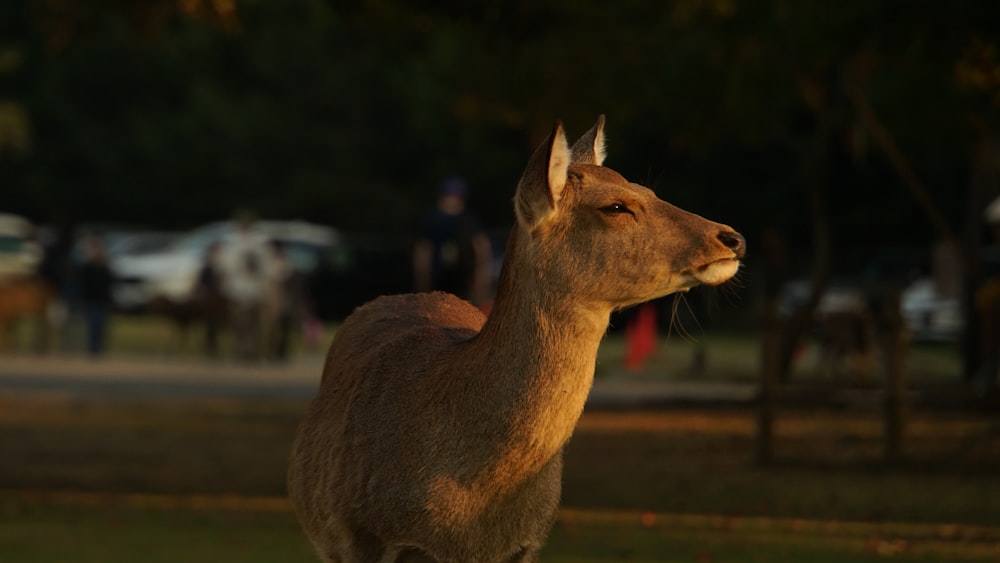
436	319
392	344
384	396
392	355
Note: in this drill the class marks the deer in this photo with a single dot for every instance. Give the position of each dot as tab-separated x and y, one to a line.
29	298
437	434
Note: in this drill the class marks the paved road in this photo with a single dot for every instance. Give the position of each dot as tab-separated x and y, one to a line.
145	377
126	377
297	380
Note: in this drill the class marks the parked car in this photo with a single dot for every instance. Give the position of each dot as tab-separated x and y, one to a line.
930	315
172	272
120	243
20	253
839	296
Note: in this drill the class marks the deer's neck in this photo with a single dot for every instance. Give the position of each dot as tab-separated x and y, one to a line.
536	354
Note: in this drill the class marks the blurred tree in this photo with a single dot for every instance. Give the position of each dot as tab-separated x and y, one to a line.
174	112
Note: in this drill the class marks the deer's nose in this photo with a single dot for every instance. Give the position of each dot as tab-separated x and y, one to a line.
733	241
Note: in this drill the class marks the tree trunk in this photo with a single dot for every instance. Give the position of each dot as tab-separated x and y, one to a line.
983	186
815	172
781	339
769	365
797	325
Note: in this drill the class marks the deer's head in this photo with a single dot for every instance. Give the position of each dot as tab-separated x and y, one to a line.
607	241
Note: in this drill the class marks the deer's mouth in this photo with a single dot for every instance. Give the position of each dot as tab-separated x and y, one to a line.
716	272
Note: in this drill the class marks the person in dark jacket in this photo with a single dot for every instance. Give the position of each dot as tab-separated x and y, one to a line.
95	280
209	300
452	253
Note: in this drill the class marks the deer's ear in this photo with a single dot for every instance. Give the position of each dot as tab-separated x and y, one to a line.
543	181
589	149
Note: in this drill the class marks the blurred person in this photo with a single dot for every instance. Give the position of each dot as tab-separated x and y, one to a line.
95	280
245	264
278	305
314	289
25	294
59	268
452	253
209	298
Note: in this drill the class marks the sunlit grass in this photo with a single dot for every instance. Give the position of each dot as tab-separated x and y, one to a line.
112	531
829	463
148	336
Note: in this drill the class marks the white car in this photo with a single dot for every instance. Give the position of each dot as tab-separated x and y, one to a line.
20	253
930	315
172	273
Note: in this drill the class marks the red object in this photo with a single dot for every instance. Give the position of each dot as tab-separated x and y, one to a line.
640	337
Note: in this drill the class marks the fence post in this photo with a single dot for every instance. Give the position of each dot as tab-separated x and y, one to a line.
896	408
767	399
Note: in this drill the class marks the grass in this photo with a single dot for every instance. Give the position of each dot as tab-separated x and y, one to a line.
736	357
45	533
651	538
120	478
111	531
727	356
828	467
683	461
148	336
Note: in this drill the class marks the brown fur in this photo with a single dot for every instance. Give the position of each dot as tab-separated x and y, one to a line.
27	298
437	434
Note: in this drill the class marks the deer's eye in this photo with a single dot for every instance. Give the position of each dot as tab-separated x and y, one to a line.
615	209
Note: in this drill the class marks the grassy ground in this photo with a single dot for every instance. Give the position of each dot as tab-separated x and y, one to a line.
33	532
61	532
125	478
736	357
142	336
726	356
121	479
